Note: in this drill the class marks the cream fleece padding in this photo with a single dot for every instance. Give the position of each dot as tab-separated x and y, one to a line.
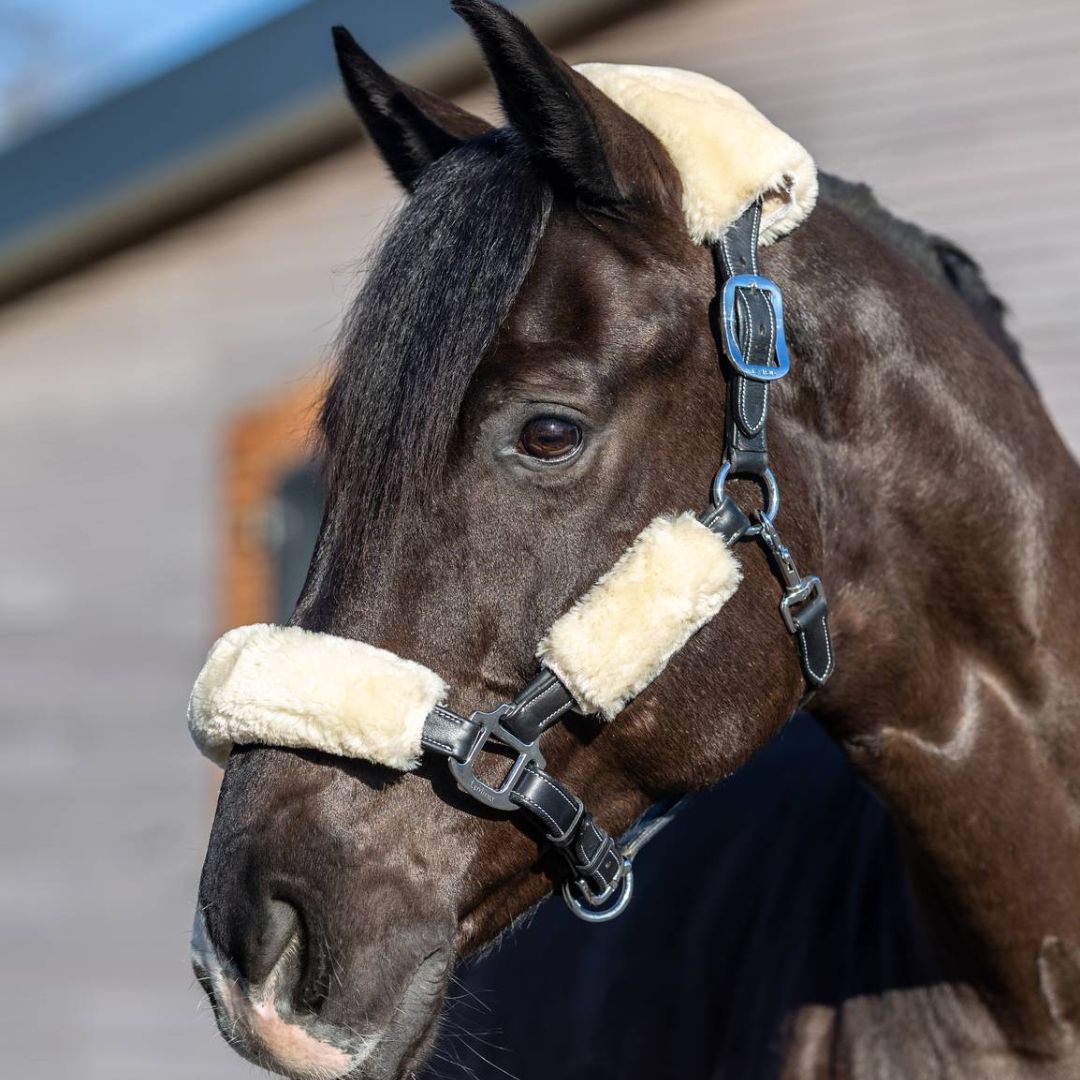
620	635
284	686
726	152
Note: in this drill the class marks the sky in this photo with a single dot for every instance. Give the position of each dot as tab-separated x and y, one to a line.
58	56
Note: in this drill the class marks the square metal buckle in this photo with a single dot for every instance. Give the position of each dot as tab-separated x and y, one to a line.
758	372
808	589
490	723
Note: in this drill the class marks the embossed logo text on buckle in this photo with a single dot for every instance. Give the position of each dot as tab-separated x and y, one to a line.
758	372
498	798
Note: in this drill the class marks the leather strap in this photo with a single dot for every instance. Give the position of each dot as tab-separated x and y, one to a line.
814	641
539	706
756	332
448	734
727	520
748	399
594	857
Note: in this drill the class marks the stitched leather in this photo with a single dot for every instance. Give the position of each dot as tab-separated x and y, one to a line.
748	399
448	734
539	706
814	641
592	854
727	520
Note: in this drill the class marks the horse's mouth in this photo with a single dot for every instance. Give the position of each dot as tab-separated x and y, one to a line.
270	1034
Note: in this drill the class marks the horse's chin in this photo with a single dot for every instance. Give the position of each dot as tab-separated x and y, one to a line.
271	1034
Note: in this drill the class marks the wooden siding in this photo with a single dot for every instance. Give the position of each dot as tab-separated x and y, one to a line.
262	443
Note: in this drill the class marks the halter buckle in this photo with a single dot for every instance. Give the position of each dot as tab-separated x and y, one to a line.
757	372
589	905
491	727
809	588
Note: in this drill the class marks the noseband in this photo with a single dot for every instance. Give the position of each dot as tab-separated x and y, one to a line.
578	674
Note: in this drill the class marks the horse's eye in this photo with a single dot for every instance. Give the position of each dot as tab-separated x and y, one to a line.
549	438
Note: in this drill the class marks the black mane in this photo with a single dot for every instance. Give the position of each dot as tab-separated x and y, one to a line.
441	285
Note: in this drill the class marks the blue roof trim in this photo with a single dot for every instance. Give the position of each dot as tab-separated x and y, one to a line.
63	173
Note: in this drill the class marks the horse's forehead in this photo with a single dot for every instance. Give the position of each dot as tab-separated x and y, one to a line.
590	281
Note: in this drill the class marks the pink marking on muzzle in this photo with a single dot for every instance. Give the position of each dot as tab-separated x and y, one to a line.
253	1019
292	1049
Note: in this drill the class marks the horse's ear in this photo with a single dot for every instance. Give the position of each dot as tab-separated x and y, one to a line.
586	143
411	127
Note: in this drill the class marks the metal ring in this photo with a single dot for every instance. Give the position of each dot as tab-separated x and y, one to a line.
768	483
605	914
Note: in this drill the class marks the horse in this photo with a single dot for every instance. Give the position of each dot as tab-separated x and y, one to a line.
530	375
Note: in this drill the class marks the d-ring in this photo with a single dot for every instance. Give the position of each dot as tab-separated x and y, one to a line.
768	483
583	910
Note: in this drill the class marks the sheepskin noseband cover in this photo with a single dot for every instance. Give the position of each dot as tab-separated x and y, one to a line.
284	686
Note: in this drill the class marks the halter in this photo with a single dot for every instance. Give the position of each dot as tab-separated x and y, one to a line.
577	674
601	882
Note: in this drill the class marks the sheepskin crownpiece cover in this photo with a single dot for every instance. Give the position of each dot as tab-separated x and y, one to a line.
727	153
284	686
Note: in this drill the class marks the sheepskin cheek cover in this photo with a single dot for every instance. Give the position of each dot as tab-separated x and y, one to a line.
284	686
620	635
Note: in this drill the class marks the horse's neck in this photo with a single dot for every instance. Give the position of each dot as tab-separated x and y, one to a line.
950	516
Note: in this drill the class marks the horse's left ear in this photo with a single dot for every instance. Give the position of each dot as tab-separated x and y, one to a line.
411	127
589	147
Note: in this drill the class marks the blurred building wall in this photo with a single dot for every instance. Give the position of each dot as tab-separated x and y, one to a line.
118	384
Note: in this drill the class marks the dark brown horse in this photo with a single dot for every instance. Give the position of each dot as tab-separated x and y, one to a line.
528	377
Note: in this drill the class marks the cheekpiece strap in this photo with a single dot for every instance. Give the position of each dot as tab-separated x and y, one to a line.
748	330
750	327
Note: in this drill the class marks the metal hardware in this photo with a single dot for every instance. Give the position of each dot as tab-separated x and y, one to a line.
498	798
797	589
769	485
757	372
589	906
811	587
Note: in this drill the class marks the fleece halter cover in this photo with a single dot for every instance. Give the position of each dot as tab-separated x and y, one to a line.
284	686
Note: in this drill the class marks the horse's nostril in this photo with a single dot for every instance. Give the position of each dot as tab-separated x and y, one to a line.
280	930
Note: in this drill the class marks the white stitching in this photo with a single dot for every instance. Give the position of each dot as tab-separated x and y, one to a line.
756	229
538	695
560	709
828	654
558	791
540	810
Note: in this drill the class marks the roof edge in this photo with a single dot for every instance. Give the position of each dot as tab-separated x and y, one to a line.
259	151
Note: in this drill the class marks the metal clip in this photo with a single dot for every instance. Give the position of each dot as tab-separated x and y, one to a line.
797	589
490	723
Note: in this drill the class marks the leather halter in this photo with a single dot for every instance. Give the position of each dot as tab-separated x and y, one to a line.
751	332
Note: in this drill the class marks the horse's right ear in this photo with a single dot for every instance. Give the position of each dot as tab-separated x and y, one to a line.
411	127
